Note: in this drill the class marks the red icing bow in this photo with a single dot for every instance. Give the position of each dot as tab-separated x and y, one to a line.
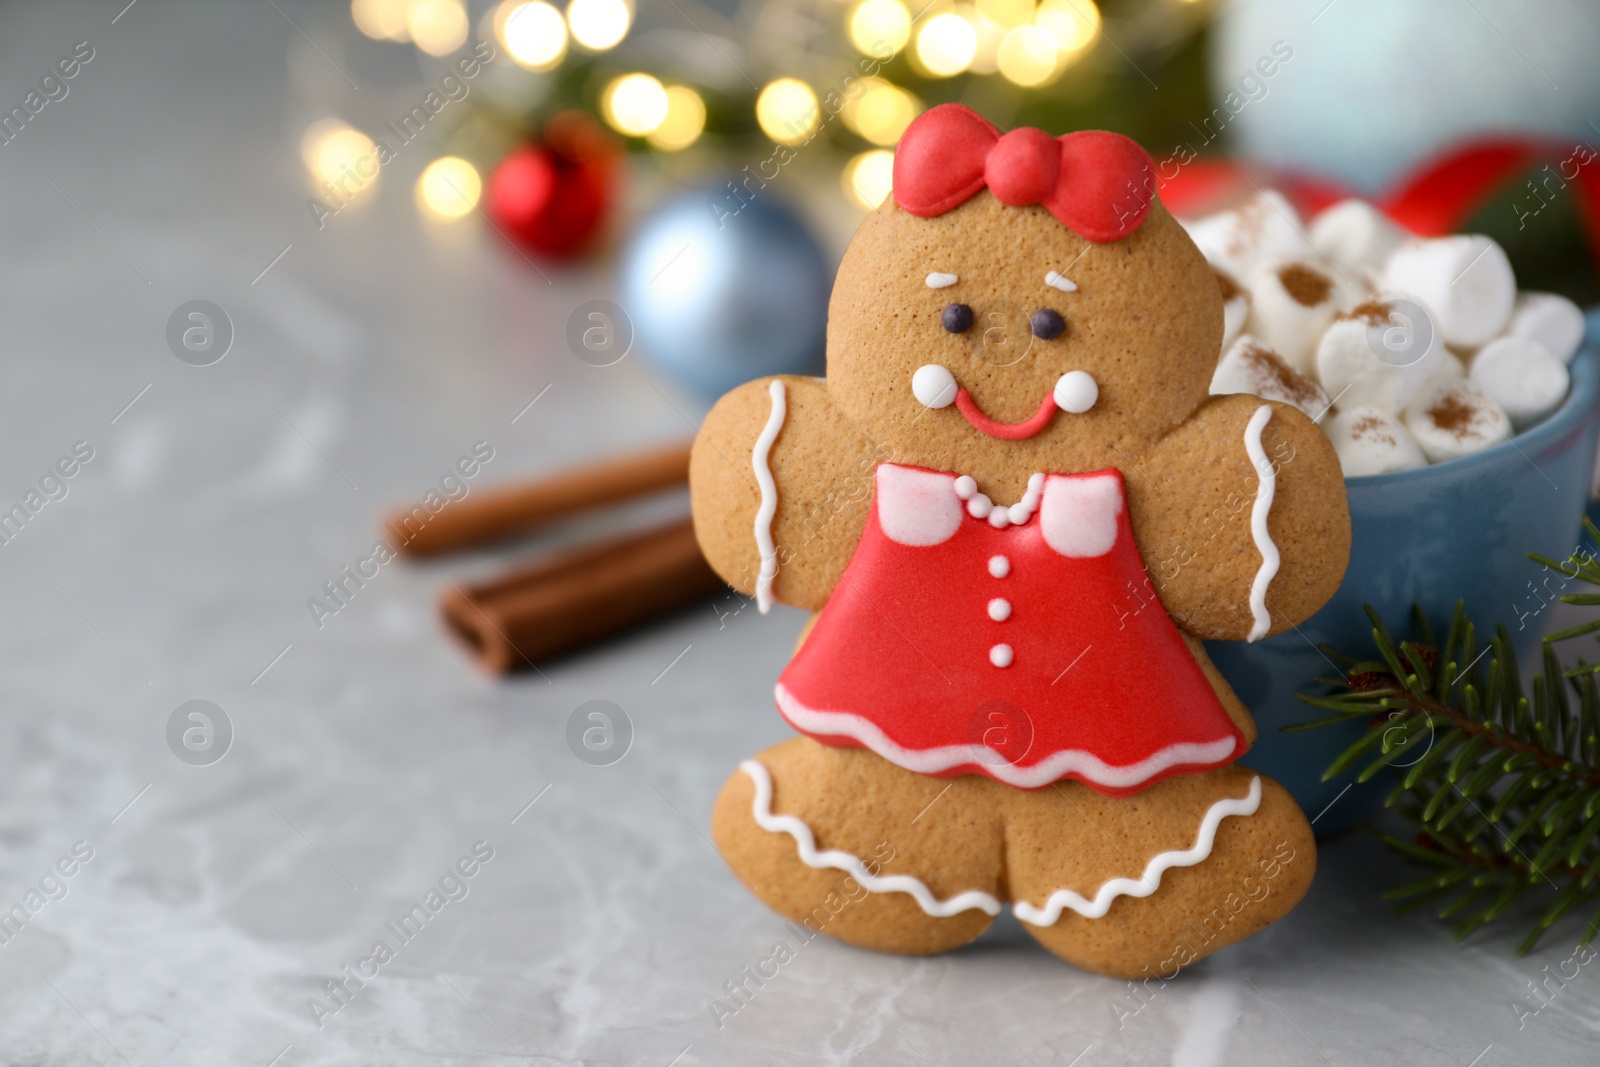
1098	184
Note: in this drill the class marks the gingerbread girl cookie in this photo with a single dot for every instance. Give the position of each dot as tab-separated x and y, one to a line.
1016	512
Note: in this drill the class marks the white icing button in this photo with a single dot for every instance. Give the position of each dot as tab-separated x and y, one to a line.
999	609
934	386
1000	655
1076	391
999	566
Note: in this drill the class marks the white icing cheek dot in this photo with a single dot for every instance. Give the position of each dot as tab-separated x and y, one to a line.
999	609
1076	392
933	386
1000	655
999	566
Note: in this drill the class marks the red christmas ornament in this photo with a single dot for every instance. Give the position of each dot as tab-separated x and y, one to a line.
551	196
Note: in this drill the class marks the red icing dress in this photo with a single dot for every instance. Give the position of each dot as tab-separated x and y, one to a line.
1023	643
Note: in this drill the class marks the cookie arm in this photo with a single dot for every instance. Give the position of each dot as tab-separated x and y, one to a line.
1196	501
822	471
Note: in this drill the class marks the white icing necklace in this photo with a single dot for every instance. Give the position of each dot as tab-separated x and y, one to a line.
979	506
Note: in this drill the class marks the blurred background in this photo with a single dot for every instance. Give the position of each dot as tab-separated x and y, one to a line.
272	269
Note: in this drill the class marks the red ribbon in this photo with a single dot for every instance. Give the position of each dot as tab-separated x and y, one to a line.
1097	184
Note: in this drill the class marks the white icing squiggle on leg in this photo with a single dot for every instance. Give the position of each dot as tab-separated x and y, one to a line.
1061	899
1266	487
1150	881
769	495
852	865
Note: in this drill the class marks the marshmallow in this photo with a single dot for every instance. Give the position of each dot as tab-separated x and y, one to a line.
1554	321
1369	441
1235	306
1355	236
1251	367
1370	359
1465	280
1264	227
1451	418
1291	303
1522	376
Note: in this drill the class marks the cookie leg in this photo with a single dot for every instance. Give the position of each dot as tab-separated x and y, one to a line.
847	844
1145	885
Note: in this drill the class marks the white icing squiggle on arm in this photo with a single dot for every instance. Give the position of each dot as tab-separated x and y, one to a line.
769	495
1266	487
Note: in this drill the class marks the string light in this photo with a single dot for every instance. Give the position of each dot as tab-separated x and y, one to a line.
787	111
438	27
685	121
634	104
534	34
382	20
1028	56
946	44
869	177
449	188
341	155
880	27
1073	23
599	24
882	113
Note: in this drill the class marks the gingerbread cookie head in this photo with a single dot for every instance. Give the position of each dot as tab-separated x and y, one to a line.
1021	289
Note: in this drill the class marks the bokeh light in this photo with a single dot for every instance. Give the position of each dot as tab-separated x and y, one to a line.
599	24
634	104
787	111
880	27
382	20
438	27
685	120
534	34
869	177
1006	13
946	44
339	154
449	188
881	113
1028	56
1073	23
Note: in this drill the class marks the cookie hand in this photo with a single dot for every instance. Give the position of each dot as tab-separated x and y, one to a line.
1193	500
821	468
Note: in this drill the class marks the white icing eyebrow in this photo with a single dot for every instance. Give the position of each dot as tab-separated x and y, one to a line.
940	280
1057	280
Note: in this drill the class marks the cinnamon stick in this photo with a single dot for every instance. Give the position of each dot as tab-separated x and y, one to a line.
578	596
493	514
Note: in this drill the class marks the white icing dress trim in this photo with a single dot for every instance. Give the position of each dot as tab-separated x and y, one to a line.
769	495
1060	900
916	507
938	760
1057	280
1079	517
940	280
1150	881
852	865
1266	488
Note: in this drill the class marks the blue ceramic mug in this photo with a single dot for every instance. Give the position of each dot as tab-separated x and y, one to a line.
1454	531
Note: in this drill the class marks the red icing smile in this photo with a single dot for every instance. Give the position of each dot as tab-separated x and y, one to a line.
1005	431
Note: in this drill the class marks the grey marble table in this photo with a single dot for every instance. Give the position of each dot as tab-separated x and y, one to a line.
211	908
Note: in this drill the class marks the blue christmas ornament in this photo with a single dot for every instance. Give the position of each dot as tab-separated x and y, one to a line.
721	291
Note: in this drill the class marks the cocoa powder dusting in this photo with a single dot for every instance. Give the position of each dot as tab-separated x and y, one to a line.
1271	371
1370	426
1373	312
1306	286
1452	414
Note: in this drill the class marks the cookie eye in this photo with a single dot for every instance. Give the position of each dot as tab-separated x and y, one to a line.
1046	324
957	318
